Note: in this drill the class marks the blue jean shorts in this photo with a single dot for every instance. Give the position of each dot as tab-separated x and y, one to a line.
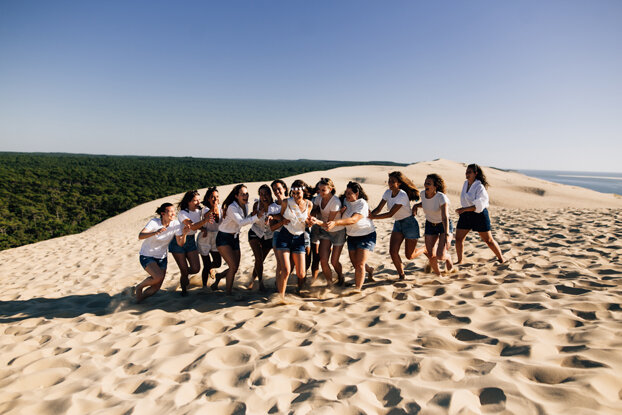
146	260
285	241
409	227
479	222
438	228
190	245
226	238
362	242
336	238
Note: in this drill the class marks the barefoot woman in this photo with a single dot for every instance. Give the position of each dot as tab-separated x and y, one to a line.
156	236
474	212
397	198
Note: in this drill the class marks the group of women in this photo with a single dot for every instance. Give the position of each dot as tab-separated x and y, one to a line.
295	224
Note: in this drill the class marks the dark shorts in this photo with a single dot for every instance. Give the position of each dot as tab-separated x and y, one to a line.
409	227
479	222
266	244
362	242
190	245
275	236
145	260
225	238
437	229
285	241
336	238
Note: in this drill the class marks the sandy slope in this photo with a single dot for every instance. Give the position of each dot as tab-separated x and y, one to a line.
539	334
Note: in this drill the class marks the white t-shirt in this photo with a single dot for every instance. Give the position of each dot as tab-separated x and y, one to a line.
400	199
156	246
210	227
333	205
235	219
194	216
476	196
261	228
297	218
364	226
432	207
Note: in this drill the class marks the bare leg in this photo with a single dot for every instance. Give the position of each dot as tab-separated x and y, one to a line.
410	249
360	260
258	254
232	258
430	241
394	250
492	244
281	282
334	260
153	282
325	253
299	262
182	263
461	235
315	260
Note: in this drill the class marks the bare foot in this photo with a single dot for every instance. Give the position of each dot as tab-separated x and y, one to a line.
402	277
251	285
370	273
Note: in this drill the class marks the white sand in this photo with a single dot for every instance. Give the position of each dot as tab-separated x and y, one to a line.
541	333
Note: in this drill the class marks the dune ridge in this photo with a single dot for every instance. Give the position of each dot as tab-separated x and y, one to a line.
537	334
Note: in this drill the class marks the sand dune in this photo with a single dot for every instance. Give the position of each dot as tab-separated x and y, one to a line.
538	334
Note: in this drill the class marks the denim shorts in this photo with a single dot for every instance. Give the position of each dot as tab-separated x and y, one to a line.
225	238
266	244
336	238
409	227
190	245
315	234
362	242
285	241
145	260
479	222
437	229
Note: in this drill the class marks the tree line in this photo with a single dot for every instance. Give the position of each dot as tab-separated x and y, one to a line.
47	195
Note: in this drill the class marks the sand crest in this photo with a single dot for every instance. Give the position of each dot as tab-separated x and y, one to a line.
538	334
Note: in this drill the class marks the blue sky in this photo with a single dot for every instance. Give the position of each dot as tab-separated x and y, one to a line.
527	84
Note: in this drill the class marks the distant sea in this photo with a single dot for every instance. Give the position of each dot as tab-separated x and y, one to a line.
599	181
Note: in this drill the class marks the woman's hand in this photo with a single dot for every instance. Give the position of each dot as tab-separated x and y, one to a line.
186	229
460	211
329	225
159	231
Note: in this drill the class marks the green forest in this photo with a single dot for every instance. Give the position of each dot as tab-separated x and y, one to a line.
47	195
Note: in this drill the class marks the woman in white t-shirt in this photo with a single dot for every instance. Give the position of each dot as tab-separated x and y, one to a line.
397	198
291	238
328	208
206	241
438	226
235	216
156	236
260	234
360	230
474	212
187	256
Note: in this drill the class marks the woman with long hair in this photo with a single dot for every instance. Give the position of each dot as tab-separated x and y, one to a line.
291	239
397	198
474	212
156	236
260	234
438	225
206	242
360	230
328	207
235	216
187	256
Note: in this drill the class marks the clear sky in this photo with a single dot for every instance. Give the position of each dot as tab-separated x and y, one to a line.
522	84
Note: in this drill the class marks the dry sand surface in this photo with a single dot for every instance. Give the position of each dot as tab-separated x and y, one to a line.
540	334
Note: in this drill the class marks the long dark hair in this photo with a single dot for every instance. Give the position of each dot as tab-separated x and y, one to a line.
183	205
357	188
281	182
479	174
406	185
162	208
208	194
438	182
231	198
265	187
